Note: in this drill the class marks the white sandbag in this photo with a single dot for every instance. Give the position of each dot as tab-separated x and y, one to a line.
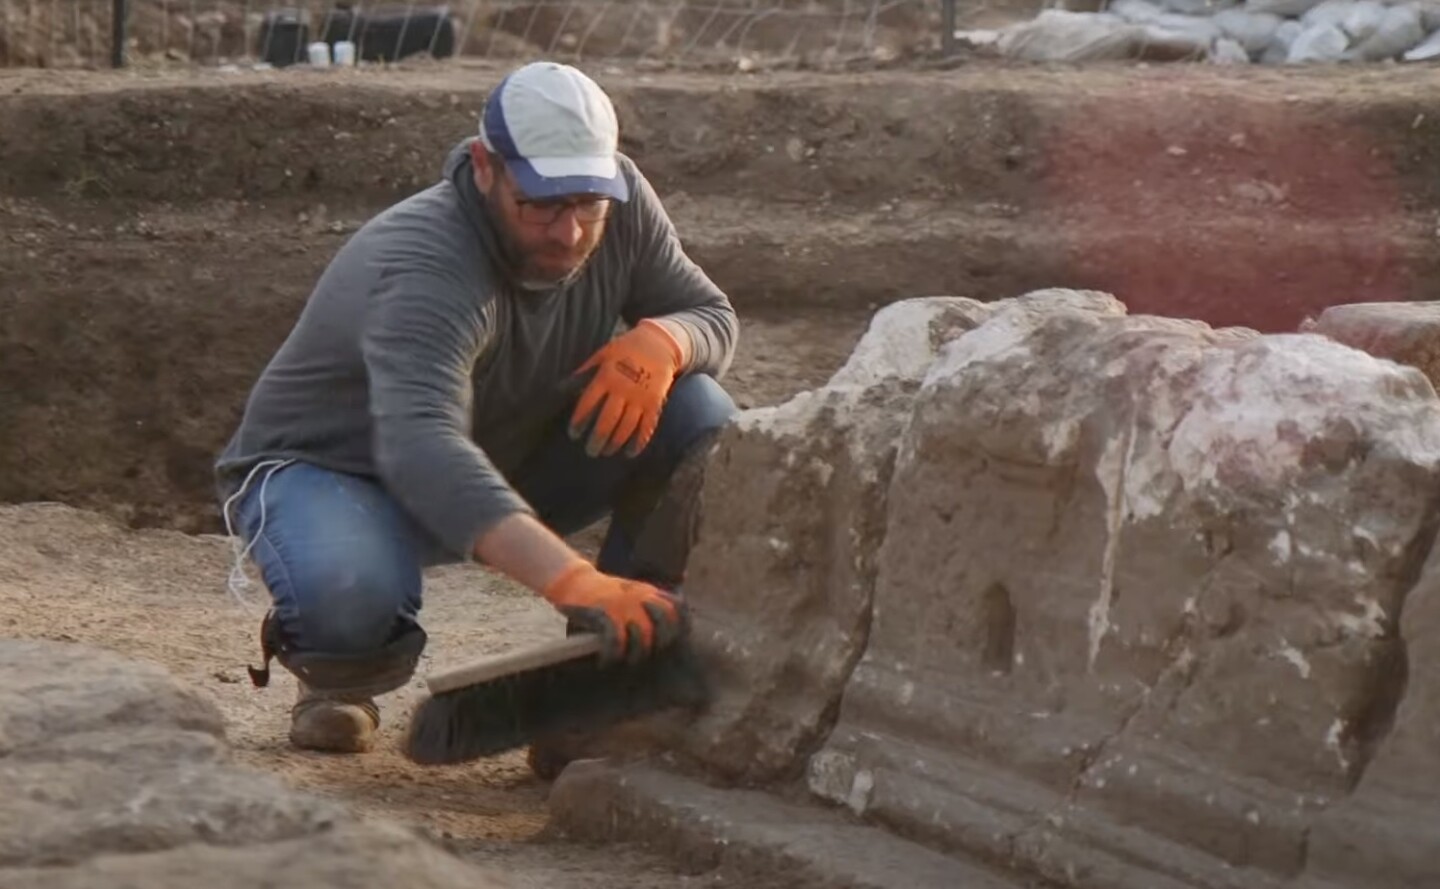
1056	35
1228	52
1328	12
1430	16
1398	31
1201	30
1252	30
1279	49
1282	8
1364	19
1196	7
1136	11
1060	36
1429	12
1428	50
1318	43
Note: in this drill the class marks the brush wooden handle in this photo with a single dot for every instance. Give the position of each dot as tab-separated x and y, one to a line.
485	669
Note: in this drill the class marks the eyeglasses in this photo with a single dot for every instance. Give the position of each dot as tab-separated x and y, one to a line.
546	212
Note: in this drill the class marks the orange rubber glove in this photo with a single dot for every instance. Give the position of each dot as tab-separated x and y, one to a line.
633	376
632	618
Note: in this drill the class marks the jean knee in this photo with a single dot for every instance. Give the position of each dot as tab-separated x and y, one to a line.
338	556
347	606
697	405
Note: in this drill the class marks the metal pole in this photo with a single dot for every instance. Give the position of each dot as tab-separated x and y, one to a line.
119	13
947	21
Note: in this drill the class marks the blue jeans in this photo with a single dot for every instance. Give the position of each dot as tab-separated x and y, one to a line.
343	560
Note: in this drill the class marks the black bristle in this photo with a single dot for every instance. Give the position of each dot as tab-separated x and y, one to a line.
514	710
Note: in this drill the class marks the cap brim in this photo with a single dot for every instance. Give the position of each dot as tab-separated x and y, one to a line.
542	178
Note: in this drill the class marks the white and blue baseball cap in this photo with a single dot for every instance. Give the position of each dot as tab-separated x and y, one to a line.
556	131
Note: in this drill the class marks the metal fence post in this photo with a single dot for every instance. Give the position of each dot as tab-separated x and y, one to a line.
947	22
119	13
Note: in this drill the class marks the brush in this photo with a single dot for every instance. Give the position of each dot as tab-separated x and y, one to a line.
506	701
511	700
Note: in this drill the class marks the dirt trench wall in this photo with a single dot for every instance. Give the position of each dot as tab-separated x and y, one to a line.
159	234
1025	138
372	138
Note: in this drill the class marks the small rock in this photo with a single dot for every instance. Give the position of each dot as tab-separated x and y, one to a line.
1228	52
1259	192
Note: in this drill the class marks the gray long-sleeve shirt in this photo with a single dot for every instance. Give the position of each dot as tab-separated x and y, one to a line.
419	362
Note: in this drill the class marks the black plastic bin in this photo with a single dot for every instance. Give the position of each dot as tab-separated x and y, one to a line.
283	37
390	33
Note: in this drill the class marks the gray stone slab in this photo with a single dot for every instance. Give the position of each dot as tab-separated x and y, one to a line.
749	838
114	775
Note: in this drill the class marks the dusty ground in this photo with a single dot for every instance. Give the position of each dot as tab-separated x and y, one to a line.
161	596
73	575
159	231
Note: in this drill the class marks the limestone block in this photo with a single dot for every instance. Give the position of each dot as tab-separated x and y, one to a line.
780	576
1382	834
741	837
113	776
1405	332
1135	614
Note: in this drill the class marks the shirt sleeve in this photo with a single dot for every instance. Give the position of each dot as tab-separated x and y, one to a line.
668	284
423	333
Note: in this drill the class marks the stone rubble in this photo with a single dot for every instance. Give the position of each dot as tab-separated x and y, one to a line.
1265	32
1408	333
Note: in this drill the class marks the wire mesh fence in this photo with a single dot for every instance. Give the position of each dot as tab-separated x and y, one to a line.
83	33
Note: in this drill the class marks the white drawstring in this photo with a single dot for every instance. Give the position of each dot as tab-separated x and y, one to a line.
238	581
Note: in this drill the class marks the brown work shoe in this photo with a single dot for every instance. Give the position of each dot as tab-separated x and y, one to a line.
333	724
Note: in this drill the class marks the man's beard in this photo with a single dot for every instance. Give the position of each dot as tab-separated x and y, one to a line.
516	262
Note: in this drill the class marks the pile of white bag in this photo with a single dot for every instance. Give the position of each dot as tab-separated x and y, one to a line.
1269	32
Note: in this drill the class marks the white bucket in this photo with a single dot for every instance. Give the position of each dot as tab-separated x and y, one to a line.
344	52
319	54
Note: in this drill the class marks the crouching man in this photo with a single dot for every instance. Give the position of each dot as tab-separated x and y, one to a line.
496	362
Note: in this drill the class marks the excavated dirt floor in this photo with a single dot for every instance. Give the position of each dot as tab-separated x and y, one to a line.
159	232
